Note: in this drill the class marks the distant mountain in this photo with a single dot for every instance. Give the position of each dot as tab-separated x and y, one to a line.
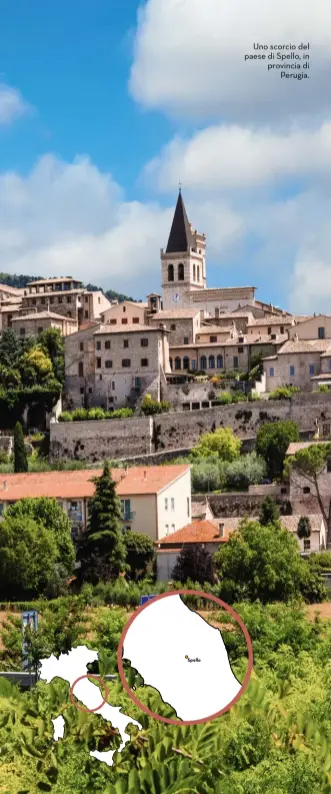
21	281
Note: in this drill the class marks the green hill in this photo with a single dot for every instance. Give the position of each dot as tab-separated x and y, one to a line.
21	281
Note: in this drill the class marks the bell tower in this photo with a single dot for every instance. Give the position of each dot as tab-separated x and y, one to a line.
183	262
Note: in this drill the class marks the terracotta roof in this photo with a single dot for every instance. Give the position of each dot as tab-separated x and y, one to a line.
233	315
297	446
79	484
87	324
11	290
272	320
44	315
172	314
66	279
305	346
129	329
291	522
202	531
215	329
265	339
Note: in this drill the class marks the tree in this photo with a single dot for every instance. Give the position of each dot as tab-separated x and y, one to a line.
245	471
36	367
193	562
28	557
309	464
269	511
50	514
272	441
140	553
222	443
51	342
262	563
102	552
304	528
10	349
20	456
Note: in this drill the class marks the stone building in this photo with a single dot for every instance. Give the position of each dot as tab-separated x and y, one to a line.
297	363
115	367
34	324
126	313
65	296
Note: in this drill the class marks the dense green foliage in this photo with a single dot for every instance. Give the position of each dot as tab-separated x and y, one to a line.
140	554
28	556
272	441
150	407
193	562
269	511
20	455
50	514
84	414
222	444
304	527
283	393
212	474
262	563
310	463
102	552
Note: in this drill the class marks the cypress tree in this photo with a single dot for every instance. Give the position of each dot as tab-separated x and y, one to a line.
20	456
102	551
304	528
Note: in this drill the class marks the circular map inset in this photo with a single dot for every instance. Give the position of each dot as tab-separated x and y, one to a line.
180	654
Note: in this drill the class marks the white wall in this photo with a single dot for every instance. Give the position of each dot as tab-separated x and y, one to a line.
179	515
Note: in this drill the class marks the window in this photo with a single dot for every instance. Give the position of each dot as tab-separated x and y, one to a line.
271	372
126	362
219	362
193	363
81	390
188	506
185	340
213	338
86	298
110	399
126	509
86	315
170	273
124	309
113	385
311	369
113	322
34	301
198	273
68	298
99	300
306	489
43	301
100	376
306	544
292	371
172	503
170	362
40	330
173	327
98	363
80	369
69	314
178	363
108	364
60	298
125	343
186	362
124	321
135	320
211	362
240	339
144	342
281	329
240	349
167	529
181	272
107	344
326	430
193	272
321	333
81	346
22	331
173	528
144	362
269	330
98	345
166	504
235	362
203	362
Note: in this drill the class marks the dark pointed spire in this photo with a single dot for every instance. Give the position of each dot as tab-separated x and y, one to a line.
180	238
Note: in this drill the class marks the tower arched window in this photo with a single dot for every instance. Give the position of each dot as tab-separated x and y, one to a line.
170	362
170	273
181	272
219	362
203	362
186	362
211	362
198	272
178	363
194	274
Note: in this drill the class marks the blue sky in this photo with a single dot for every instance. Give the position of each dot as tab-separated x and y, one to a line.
105	106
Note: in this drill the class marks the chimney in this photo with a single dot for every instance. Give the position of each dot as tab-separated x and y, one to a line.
4	485
221	529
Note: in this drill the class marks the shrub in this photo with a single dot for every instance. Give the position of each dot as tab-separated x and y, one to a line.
283	393
96	413
222	443
225	398
205	477
272	441
150	407
239	397
247	470
323	388
66	416
4	458
120	413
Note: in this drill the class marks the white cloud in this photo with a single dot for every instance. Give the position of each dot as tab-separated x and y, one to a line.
12	105
189	58
230	157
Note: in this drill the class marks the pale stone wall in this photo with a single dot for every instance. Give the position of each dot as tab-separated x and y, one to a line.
80	367
174	506
179	328
281	367
126	313
94	441
35	325
309	328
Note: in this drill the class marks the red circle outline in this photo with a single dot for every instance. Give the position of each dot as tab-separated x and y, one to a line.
244	685
84	708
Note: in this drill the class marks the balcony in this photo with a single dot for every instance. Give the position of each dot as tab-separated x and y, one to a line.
128	515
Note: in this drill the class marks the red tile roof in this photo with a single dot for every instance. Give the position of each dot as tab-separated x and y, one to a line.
201	531
79	484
